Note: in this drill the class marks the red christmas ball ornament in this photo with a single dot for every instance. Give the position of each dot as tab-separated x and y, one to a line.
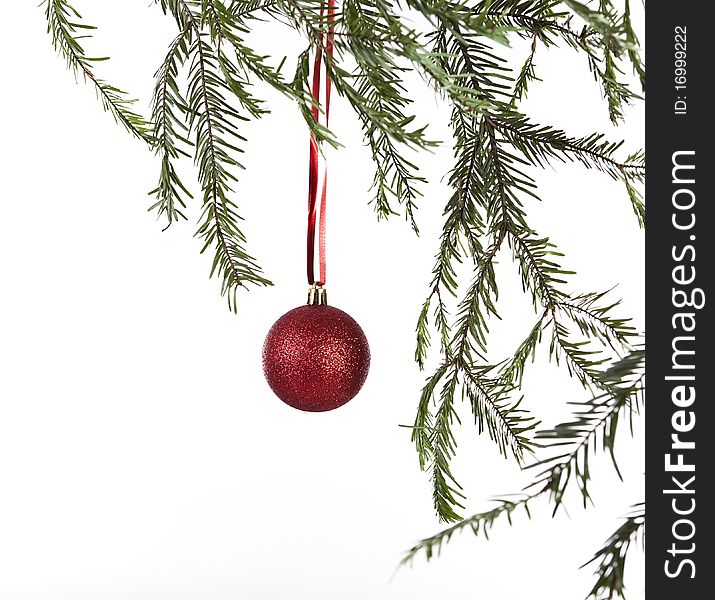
316	357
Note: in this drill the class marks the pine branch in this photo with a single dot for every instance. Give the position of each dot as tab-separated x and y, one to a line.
424	337
541	144
224	28
595	320
220	219
540	274
374	91
611	558
614	41
479	524
229	26
595	323
470	337
214	124
394	177
446	491
606	37
623	382
526	75
422	429
309	16
168	112
634	180
379	83
480	187
245	8
541	20
404	41
506	423
494	193
600	414
492	149
168	99
464	223
65	26
633	45
457	18
493	412
458	356
463	226
581	361
459	21
302	87
511	370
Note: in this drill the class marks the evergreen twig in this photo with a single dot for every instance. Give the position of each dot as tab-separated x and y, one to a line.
611	558
65	26
600	415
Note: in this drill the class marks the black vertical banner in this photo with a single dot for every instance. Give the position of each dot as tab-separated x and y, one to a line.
679	249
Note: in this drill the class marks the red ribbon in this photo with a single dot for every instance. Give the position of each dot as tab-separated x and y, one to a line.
314	159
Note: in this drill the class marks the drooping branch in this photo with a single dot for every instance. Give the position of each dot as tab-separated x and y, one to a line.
599	415
213	122
66	28
168	115
611	558
493	148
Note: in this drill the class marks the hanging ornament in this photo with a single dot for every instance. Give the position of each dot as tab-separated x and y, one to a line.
316	357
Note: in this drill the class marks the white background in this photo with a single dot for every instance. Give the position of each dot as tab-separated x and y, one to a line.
142	455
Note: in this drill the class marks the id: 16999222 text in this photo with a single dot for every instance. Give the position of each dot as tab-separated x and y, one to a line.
680	69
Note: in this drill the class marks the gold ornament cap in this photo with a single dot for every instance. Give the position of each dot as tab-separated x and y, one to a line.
317	295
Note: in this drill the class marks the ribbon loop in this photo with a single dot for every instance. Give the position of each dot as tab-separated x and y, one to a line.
317	199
